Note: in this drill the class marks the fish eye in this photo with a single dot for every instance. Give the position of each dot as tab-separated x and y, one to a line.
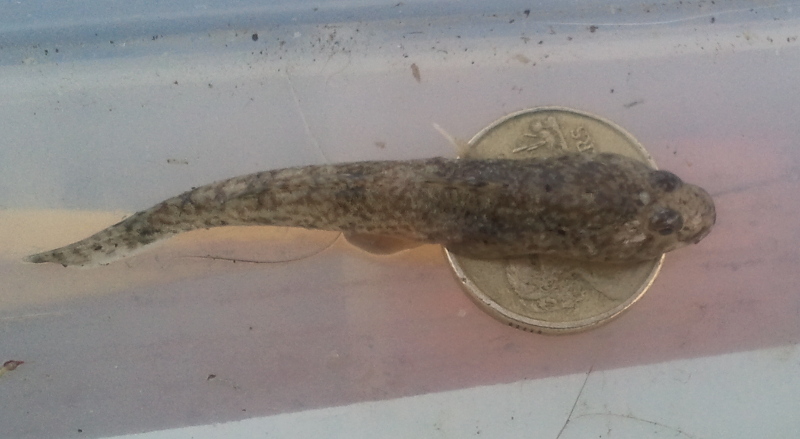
665	221
665	180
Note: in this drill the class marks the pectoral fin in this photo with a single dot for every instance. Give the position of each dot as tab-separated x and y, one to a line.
380	244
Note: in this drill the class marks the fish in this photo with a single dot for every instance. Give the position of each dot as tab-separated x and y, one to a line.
589	207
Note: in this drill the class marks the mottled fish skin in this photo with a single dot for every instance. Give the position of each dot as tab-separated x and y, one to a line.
591	207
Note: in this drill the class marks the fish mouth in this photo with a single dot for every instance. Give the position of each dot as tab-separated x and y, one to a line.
699	237
707	217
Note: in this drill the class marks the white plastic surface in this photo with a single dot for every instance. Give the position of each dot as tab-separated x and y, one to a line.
108	108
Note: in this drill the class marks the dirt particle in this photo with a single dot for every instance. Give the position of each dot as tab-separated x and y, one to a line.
415	72
254	37
634	103
522	58
12	364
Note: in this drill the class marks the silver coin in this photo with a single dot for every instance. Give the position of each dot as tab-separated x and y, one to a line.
546	294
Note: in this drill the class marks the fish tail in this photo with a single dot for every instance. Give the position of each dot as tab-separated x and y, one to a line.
201	207
120	240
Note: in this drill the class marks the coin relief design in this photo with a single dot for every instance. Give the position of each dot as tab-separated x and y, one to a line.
543	293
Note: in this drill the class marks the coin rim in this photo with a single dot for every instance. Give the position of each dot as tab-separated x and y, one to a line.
526	323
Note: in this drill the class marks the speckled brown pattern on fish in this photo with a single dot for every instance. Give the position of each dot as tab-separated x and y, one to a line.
602	207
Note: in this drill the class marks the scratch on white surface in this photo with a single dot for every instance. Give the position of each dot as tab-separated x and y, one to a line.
570	418
302	114
677	430
462	147
575	404
341	69
266	261
31	316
